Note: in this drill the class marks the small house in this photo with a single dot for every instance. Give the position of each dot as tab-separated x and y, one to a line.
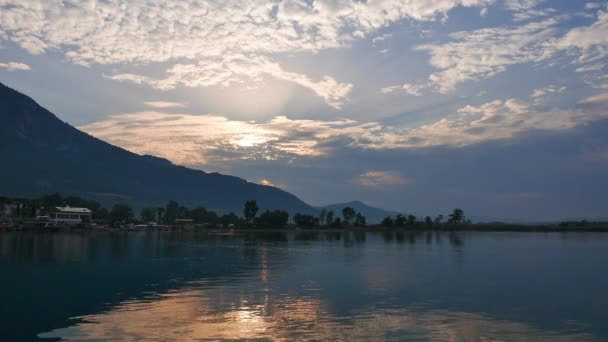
69	216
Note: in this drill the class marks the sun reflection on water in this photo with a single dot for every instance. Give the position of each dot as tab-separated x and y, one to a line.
214	314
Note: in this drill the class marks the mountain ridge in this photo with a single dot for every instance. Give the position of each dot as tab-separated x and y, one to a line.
42	154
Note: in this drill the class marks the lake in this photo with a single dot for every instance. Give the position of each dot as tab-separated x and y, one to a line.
397	286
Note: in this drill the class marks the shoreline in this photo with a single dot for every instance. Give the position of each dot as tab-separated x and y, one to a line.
371	229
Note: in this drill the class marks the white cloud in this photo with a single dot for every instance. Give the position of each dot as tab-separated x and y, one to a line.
198	38
524	10
382	38
483	12
164	104
596	99
240	69
413	89
539	93
381	179
14	66
484	53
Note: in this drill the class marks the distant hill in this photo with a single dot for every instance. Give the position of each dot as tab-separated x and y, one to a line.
373	215
40	154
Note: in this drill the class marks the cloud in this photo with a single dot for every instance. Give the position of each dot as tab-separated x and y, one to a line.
205	139
596	99
381	179
539	94
266	182
410	89
164	104
480	54
207	43
382	38
524	10
14	66
483	12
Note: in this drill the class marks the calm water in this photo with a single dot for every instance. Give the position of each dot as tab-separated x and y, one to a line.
304	286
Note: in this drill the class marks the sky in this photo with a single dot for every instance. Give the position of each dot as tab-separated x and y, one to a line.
499	107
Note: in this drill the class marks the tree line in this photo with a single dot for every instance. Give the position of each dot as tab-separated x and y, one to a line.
455	218
120	214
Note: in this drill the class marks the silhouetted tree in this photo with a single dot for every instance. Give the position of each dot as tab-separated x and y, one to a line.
329	218
439	219
428	221
456	217
337	223
102	214
276	218
160	214
388	222
411	220
171	212
322	216
250	210
400	220
348	214
229	219
360	220
147	214
53	200
304	220
121	213
202	215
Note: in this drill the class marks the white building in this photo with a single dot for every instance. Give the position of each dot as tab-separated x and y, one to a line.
69	215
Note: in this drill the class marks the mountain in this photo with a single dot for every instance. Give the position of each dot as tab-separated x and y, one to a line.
40	154
373	215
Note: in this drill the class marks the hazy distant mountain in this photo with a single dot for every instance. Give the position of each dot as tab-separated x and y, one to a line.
40	154
373	215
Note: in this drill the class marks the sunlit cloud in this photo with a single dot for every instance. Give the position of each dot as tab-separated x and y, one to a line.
201	139
266	182
164	104
14	66
381	180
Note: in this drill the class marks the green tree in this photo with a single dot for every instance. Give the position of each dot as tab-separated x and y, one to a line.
121	213
388	222
348	214
456	217
250	210
148	214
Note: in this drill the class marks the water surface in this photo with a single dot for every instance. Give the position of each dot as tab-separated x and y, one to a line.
183	286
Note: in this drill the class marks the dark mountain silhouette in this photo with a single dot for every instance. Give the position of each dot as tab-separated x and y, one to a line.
373	215
40	154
